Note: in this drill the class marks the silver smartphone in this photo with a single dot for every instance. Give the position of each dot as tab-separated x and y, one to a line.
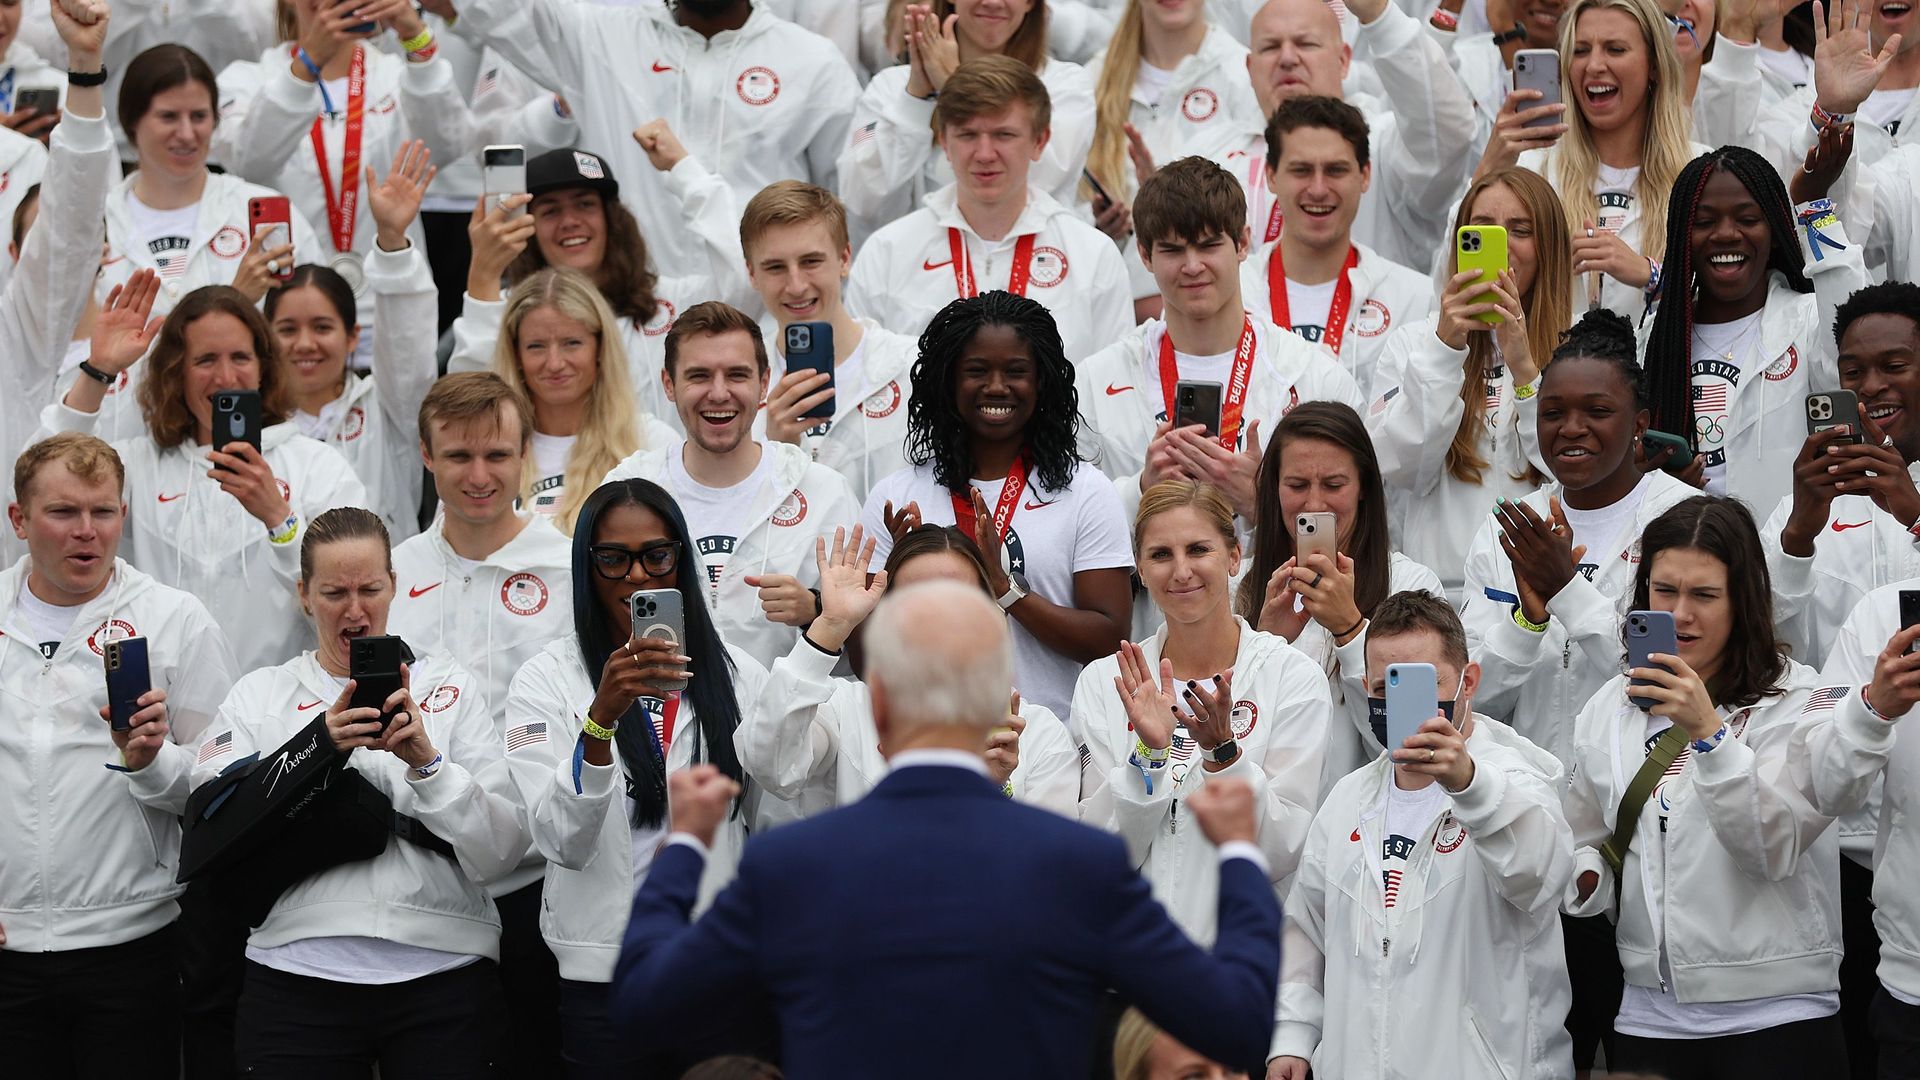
1538	69
660	613
503	172
1314	533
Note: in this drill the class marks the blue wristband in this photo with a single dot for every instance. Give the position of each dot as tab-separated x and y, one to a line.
1706	745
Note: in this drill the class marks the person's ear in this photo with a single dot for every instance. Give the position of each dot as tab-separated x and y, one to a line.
882	717
426	456
1469	680
18	516
1366	176
666	382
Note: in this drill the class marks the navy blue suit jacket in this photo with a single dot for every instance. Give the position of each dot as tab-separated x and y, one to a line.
937	928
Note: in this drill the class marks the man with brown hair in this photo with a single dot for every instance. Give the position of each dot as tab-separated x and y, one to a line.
89	829
795	238
990	229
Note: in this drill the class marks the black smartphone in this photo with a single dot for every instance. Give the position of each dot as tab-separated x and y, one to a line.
374	665
236	418
1909	609
808	346
127	679
43	100
1197	402
1648	632
1835	410
1101	200
358	28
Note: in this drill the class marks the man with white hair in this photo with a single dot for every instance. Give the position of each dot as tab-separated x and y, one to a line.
868	924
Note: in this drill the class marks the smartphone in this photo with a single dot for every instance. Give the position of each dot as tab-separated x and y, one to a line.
236	417
1648	632
1538	69
1314	533
809	346
1197	402
1483	248
127	679
1909	609
271	214
43	100
503	172
660	613
358	28
1657	441
1413	698
1101	200
373	663
1835	410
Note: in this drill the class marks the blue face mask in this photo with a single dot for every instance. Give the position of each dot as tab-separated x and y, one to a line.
1377	712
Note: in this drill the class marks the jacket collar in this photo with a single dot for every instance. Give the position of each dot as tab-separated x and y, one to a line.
934	781
1040	208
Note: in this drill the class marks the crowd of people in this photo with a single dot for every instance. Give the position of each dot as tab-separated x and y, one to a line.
665	616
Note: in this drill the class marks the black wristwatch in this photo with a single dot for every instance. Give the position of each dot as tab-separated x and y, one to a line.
94	373
88	78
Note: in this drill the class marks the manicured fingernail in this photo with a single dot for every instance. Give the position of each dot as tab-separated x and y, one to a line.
1191	684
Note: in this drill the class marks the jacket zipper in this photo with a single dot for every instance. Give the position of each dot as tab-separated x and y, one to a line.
1660	946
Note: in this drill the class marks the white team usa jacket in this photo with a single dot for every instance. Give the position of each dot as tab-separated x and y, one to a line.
867	437
769	101
1518	677
1207	95
406	893
23	163
800	501
1471	942
580	817
375	422
1740	885
1846	762
212	257
906	273
811	741
1122	400
891	163
1281	721
1385	295
189	534
87	853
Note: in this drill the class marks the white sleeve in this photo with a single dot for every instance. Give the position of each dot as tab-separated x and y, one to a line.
406	312
1757	811
1114	795
790	742
1048	775
435	110
1417	408
1430	153
548	40
1520	833
563	801
475	333
1301	1014
468	801
51	283
1588	817
889	143
1838	753
265	113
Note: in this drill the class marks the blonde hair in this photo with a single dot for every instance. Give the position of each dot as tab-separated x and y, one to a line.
1132	1042
1170	495
612	428
793	202
1113	105
1548	307
89	458
1666	147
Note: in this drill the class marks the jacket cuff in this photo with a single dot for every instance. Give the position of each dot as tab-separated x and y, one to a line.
807	659
596	781
1730	759
83	134
396	271
1598	901
1861	727
687	175
1477	801
282	89
58	418
168	768
431	77
1579	603
1291	1038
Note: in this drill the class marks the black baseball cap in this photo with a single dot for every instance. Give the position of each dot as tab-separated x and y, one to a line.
557	170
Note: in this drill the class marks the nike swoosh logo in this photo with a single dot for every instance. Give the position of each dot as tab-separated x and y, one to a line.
309	706
416	593
1037	506
931	265
1112	389
170	498
1842	526
660	68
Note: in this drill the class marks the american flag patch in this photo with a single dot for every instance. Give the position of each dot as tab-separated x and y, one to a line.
862	134
1086	756
1710	398
526	735
1380	405
1392	884
488	80
214	747
1826	698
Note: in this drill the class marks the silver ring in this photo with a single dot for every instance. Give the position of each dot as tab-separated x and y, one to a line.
1886	440
1429	755
273	266
1589	234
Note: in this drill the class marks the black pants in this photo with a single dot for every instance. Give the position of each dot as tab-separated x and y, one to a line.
448	250
530	981
1859	984
442	1027
108	1012
1896	1027
592	1048
1805	1049
213	950
1593	970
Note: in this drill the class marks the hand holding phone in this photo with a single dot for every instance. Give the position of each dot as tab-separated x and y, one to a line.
1483	248
1654	442
1315	534
373	663
503	172
127	679
660	614
1538	69
1197	402
272	219
1835	410
1413	698
808	346
1648	632
236	418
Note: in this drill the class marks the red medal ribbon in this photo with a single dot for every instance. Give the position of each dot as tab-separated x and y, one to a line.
963	280
1002	512
1234	400
341	210
1336	327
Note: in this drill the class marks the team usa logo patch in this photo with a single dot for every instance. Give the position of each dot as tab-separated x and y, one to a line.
1450	836
1199	104
662	320
109	630
883	402
792	511
441	699
757	86
1245	715
1782	369
228	243
353	425
1372	319
1048	267
524	594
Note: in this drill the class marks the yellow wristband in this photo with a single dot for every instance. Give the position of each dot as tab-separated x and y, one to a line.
595	731
421	41
1527	390
1520	619
289	529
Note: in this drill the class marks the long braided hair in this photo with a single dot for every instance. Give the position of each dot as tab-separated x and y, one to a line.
1669	355
935	431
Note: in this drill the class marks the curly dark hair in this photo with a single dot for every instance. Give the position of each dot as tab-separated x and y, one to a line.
935	431
624	279
1669	357
1900	298
1607	336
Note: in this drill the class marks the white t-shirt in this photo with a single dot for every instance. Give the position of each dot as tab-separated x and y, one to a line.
1789	64
167	234
1216	368
1599	530
46	624
1615	189
1647	1013
1886	107
1152	82
847	379
718	517
550	454
1308	305
1409	813
1722	353
1051	537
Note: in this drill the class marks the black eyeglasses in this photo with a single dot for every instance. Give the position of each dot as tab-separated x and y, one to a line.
614	562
